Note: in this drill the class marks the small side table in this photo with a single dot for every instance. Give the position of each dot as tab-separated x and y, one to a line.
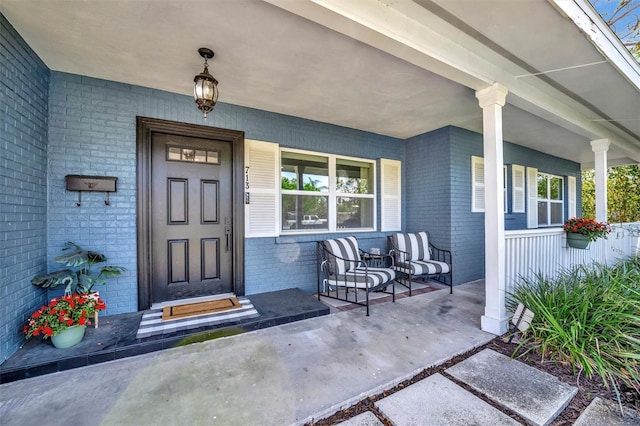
373	260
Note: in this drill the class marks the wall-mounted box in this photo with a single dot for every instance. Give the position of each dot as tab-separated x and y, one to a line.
91	183
81	183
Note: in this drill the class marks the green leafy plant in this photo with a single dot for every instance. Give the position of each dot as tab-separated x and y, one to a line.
588	317
81	278
61	313
589	227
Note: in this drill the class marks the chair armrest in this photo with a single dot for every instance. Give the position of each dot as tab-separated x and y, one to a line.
399	255
439	254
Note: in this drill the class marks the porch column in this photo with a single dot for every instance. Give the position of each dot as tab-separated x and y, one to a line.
491	100
600	148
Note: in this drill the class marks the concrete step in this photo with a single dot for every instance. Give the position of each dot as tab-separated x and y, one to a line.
601	412
535	395
436	401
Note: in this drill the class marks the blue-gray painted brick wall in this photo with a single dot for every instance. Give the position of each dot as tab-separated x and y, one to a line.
92	131
428	186
24	85
467	228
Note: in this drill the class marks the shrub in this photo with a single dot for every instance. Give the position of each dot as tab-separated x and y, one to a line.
588	317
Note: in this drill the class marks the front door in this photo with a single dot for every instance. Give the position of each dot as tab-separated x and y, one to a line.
191	217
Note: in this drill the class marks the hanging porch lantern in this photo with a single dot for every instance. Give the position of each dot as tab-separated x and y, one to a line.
205	90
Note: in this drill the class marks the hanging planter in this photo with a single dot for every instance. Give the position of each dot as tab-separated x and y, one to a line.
578	241
581	231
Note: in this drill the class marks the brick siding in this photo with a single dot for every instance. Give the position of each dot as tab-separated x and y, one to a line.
24	85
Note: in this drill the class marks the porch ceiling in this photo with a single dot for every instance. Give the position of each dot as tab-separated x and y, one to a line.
306	59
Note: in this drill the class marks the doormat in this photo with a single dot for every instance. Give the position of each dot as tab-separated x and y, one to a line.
201	308
152	323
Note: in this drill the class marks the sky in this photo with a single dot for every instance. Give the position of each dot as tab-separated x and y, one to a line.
606	7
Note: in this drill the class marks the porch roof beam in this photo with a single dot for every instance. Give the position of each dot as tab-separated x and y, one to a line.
410	32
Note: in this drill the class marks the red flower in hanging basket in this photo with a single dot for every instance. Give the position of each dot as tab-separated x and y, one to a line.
589	227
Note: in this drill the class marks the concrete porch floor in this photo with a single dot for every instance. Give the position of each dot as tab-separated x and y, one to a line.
287	374
116	337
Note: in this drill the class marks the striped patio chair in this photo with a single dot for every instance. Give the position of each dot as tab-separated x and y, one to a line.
341	269
414	256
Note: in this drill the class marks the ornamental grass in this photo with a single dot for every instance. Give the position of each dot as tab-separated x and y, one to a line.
588	317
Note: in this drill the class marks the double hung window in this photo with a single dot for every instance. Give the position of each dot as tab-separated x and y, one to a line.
321	192
550	200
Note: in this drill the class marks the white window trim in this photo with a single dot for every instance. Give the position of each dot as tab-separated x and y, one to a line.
518	185
549	201
477	184
332	194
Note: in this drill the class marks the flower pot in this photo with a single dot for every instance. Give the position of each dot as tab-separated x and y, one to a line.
68	337
578	241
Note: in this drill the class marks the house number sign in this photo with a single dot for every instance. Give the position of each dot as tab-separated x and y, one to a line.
247	185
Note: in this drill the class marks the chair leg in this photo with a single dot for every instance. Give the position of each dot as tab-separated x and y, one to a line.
410	282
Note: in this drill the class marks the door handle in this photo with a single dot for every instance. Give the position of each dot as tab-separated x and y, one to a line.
228	234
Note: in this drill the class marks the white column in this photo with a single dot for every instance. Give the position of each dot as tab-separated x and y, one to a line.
600	148
491	100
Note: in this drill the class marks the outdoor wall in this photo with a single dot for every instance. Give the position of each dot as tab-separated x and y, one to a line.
516	154
467	228
428	187
93	131
24	85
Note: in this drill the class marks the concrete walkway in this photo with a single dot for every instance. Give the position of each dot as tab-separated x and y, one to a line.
283	375
298	372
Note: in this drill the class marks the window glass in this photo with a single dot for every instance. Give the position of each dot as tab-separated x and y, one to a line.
555	188
314	197
200	156
355	212
556	213
550	200
304	172
176	153
542	186
354	177
304	212
542	213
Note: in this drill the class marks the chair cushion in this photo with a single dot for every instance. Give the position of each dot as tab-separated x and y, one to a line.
359	279
346	248
416	245
423	267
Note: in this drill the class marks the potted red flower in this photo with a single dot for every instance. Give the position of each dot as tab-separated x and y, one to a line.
64	319
581	231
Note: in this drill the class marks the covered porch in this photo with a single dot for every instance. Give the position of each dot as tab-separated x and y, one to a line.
424	84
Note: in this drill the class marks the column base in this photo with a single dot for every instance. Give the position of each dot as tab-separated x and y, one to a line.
494	325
